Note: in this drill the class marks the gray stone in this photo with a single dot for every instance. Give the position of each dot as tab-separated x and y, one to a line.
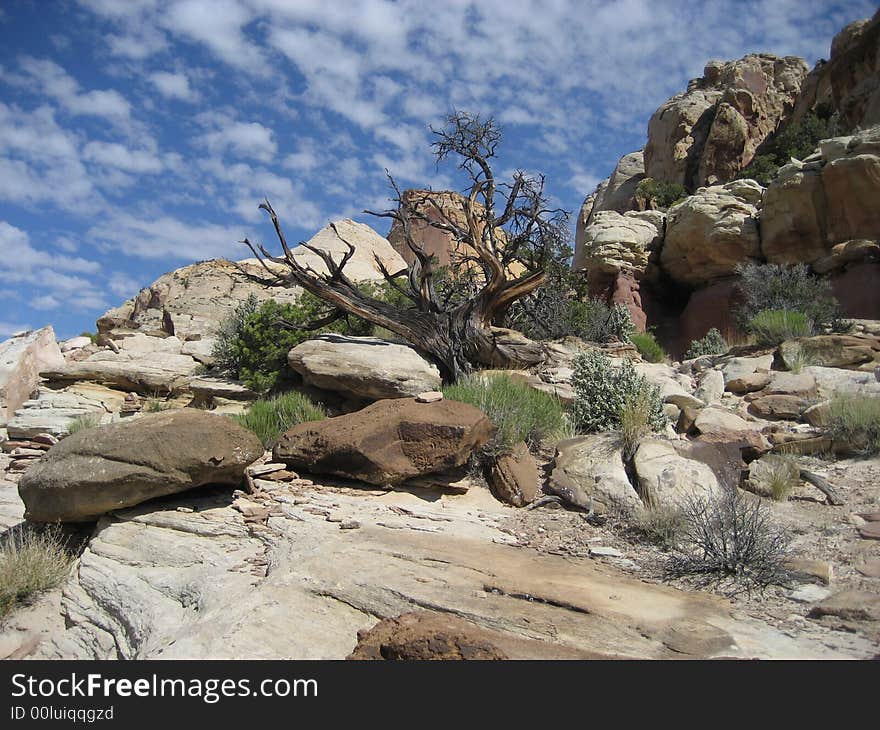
667	478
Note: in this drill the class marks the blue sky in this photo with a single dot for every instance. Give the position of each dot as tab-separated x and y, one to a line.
137	136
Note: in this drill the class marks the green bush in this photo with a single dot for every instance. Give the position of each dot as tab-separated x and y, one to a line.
855	420
648	346
601	322
268	419
660	195
711	344
772	326
792	288
797	140
81	423
32	560
555	309
603	392
252	345
518	411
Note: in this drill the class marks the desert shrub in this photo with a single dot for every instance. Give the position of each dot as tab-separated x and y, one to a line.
659	195
269	418
648	346
81	423
774	476
635	420
730	542
555	309
855	420
518	411
252	344
601	322
661	525
710	344
156	405
792	288
32	560
772	326
797	140
603	392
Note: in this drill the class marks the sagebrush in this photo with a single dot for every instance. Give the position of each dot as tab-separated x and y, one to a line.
603	392
81	423
518	411
712	343
790	288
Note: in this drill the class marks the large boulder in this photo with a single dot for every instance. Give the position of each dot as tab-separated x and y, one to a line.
710	133
668	478
98	470
22	357
824	212
363	367
856	352
615	242
588	472
708	234
387	442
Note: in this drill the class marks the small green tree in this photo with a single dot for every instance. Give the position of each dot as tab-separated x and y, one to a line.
711	344
797	140
658	194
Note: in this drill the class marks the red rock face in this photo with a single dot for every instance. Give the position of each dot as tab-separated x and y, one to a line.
709	307
857	291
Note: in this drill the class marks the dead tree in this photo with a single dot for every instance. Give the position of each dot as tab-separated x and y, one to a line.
507	231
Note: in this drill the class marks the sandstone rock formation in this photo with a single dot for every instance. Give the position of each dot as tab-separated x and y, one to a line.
711	232
667	478
709	133
823	212
98	470
363	367
616	193
387	442
515	478
369	246
22	358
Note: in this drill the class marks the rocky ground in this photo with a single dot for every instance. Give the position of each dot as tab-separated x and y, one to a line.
208	574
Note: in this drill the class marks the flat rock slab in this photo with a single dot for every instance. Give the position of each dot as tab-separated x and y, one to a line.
156	582
870	531
850	606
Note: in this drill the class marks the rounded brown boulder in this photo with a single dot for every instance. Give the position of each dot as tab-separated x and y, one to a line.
387	442
98	470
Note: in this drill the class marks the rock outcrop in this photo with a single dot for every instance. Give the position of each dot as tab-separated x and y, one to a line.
363	367
616	193
709	133
709	233
387	442
823	212
22	358
98	470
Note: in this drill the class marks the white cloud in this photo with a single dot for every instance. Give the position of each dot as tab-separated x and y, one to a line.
39	162
172	85
123	285
250	140
54	82
112	154
219	25
7	329
47	301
